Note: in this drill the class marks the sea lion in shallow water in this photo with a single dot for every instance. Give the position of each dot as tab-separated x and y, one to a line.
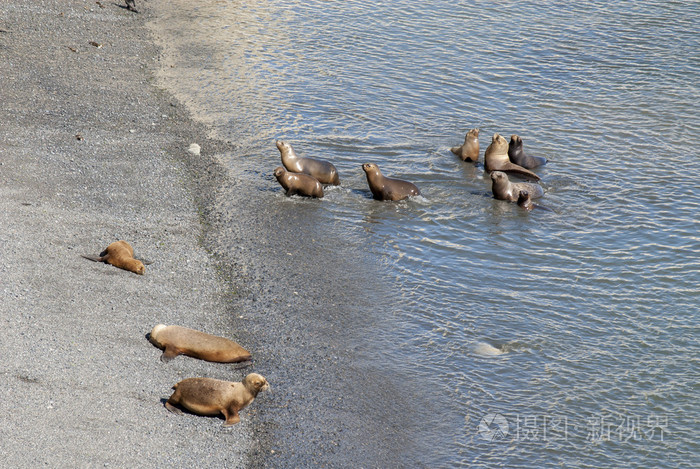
298	183
177	340
469	151
323	171
120	254
525	201
208	396
384	188
517	155
503	189
496	159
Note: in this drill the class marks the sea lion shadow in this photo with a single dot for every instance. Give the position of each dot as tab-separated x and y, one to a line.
184	411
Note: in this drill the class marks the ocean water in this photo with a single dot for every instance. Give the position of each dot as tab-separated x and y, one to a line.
561	337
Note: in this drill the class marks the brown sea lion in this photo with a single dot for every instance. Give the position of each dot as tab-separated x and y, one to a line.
503	189
496	159
176	340
469	151
525	201
208	396
120	254
298	183
517	154
384	188
322	170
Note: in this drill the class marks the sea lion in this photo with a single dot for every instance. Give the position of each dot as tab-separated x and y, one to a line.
384	188
517	154
208	396
176	340
503	189
496	159
120	254
322	170
469	151
525	201
298	183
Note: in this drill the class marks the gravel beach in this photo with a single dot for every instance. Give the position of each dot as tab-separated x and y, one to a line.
91	152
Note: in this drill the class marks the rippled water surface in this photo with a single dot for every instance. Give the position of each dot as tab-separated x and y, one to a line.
576	326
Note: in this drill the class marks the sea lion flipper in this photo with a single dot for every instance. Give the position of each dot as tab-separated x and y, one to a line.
93	258
169	354
173	409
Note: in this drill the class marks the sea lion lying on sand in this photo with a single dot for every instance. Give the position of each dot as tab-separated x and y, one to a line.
120	254
177	340
208	396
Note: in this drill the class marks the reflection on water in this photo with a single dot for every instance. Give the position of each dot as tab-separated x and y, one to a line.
593	305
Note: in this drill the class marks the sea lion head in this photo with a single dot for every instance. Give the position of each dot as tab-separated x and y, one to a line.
282	145
370	168
153	336
279	172
473	133
255	383
516	141
139	268
524	200
498	177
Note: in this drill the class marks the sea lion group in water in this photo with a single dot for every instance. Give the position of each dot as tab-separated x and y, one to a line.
305	176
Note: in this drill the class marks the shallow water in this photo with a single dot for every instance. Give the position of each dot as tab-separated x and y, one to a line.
578	326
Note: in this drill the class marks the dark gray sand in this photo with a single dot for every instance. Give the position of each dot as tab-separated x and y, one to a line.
80	384
93	152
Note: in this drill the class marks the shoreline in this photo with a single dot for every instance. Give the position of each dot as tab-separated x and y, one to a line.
93	152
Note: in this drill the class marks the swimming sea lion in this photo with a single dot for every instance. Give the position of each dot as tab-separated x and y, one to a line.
503	189
208	396
120	254
517	154
176	340
384	188
298	183
322	170
469	151
525	201
496	159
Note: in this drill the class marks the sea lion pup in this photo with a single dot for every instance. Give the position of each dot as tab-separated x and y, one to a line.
503	189
496	159
176	340
384	188
208	396
517	154
120	254
322	170
469	151
525	201
298	183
